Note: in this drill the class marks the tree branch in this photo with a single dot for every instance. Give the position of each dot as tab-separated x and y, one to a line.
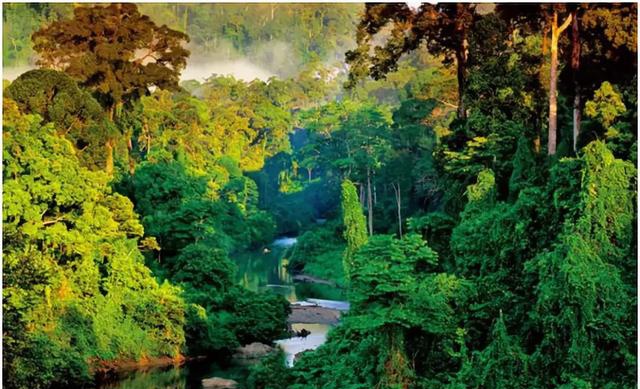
447	103
53	221
565	24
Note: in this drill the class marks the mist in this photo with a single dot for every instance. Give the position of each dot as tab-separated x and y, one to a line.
11	73
240	69
261	61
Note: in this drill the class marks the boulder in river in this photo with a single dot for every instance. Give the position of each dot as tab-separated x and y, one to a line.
218	383
254	350
313	314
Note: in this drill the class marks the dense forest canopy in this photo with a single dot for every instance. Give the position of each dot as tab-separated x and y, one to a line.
466	173
266	39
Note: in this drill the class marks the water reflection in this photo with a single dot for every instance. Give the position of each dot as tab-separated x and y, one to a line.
188	376
260	271
264	270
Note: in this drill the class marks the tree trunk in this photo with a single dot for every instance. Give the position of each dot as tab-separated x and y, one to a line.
132	162
397	371
109	157
369	202
553	83
398	194
375	194
461	64
109	144
575	68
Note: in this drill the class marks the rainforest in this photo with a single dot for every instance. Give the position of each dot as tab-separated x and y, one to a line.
338	196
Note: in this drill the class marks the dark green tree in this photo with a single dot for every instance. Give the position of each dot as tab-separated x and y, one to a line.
76	114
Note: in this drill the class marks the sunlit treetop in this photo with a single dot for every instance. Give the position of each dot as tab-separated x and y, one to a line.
113	50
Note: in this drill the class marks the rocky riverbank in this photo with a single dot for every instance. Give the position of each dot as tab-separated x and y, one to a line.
313	314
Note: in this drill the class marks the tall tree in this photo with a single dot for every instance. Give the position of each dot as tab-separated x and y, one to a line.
602	47
442	28
355	231
114	51
575	68
75	287
556	31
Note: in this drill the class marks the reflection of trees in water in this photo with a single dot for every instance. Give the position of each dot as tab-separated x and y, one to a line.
187	376
174	378
260	270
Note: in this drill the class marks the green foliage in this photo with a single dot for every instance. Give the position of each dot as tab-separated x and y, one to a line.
553	269
76	114
196	232
256	317
388	280
20	20
55	97
435	228
75	286
395	298
534	283
355	231
605	108
584	284
483	189
119	64
502	364
270	373
606	105
525	172
319	252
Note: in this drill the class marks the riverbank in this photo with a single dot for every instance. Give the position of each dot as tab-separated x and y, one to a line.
108	370
305	278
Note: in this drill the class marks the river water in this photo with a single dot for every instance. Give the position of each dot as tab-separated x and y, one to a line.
262	271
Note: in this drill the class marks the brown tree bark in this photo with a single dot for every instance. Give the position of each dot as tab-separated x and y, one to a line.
575	68
109	144
553	82
461	62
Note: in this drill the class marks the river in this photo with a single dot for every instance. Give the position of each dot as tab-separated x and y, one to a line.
262	271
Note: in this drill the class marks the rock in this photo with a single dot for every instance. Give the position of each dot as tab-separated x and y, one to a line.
313	315
218	383
303	333
253	351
